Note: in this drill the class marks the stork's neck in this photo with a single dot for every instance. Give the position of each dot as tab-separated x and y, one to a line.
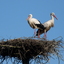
52	18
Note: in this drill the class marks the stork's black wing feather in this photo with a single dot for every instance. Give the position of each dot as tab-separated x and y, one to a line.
40	26
40	22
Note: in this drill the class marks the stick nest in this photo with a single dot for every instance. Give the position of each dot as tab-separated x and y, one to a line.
29	48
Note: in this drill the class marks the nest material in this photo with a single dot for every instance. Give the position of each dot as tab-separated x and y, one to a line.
29	48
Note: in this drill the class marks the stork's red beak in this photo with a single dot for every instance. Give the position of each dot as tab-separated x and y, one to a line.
55	17
27	18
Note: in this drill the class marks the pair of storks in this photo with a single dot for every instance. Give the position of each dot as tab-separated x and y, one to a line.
42	28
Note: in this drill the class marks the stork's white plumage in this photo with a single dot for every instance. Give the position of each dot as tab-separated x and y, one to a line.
34	23
47	25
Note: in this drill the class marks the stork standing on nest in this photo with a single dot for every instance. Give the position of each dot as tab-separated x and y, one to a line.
35	24
47	26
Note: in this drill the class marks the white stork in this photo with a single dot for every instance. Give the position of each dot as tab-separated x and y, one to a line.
35	24
47	25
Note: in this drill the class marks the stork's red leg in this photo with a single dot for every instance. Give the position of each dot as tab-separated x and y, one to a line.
34	32
45	34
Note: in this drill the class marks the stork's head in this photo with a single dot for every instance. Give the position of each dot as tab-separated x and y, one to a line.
29	16
53	14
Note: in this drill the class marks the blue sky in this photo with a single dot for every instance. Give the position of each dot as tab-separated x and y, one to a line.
13	14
